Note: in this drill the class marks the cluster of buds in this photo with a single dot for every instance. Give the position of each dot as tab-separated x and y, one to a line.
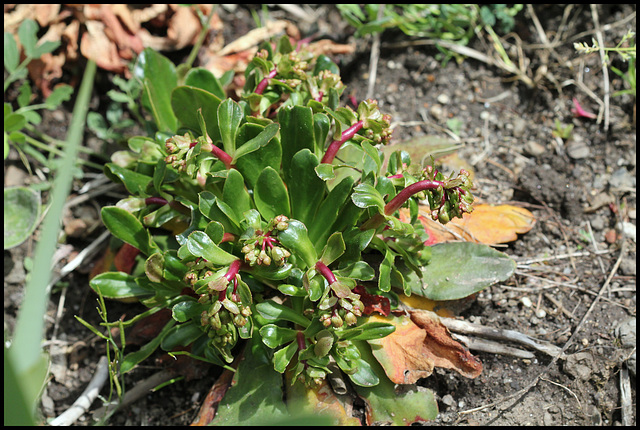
263	248
377	125
177	147
453	198
339	311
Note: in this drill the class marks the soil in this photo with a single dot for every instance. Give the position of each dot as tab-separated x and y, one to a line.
581	190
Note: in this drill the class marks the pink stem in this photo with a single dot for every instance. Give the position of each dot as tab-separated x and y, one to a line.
332	150
326	272
222	156
263	83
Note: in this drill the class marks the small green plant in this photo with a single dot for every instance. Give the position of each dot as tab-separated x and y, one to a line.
456	23
626	48
271	221
562	131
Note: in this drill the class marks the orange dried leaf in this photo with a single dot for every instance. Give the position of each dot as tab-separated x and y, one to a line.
420	343
486	224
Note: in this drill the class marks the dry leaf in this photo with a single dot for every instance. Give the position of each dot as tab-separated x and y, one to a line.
486	224
216	393
419	344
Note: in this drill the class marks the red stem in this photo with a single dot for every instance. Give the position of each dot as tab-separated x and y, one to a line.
234	268
302	344
155	201
218	152
264	82
404	195
332	150
326	272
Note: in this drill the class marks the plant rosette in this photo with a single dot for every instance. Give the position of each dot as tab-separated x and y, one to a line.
270	218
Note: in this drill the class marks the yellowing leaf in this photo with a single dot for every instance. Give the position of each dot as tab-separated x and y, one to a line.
320	400
486	224
420	343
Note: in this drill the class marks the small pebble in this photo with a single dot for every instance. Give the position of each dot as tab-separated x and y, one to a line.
541	313
526	302
443	99
532	147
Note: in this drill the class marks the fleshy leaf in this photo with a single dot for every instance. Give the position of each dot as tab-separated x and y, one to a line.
204	79
398	405
296	239
476	267
201	245
186	101
229	117
21	214
270	195
306	189
118	285
255	396
128	228
158	75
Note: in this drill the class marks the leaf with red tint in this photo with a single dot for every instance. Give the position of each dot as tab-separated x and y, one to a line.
215	395
373	302
419	344
148	327
125	258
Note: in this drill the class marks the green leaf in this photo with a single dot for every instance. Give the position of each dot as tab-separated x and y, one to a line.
21	214
368	331
201	245
61	93
158	76
257	142
334	249
235	194
306	189
273	311
118	285
14	122
459	269
273	335
251	164
184	311
28	35
185	102
270	195
255	395
327	214
181	335
126	227
11	53
230	116
365	195
283	356
205	80
386	404
134	358
296	131
136	183
295	238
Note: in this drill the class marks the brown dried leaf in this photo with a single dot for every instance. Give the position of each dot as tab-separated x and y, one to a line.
419	344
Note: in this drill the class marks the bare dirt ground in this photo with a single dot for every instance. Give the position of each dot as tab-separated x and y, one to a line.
579	259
